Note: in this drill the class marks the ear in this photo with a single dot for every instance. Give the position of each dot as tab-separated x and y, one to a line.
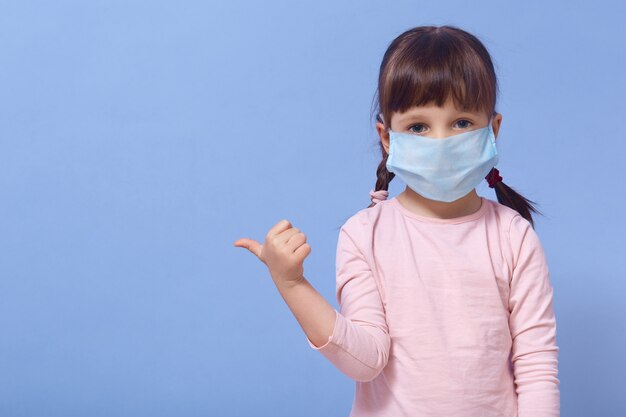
496	122
383	134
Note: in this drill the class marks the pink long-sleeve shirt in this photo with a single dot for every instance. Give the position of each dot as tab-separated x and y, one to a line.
444	317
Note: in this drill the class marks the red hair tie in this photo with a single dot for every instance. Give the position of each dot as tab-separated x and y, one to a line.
493	177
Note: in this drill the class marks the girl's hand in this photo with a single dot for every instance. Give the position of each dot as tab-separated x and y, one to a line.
283	252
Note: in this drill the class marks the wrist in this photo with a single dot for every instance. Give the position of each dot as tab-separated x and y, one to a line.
288	284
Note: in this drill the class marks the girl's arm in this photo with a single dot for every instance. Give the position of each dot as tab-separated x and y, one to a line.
283	252
314	314
355	340
360	342
533	325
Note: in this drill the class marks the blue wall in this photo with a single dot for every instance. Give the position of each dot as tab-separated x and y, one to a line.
140	139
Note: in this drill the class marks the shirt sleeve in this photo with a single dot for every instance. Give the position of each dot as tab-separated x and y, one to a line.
359	344
533	325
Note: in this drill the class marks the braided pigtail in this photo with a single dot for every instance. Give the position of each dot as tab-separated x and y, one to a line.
511	198
383	177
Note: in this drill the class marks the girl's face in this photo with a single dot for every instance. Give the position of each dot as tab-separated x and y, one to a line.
436	122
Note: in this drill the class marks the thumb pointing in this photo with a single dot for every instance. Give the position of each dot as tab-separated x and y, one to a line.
250	244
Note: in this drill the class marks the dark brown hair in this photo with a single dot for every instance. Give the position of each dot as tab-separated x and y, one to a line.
430	64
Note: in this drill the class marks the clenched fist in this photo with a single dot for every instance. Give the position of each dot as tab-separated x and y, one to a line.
283	252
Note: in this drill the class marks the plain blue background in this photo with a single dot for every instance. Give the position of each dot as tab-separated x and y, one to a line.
140	139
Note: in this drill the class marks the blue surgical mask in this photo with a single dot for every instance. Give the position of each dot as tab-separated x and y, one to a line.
443	169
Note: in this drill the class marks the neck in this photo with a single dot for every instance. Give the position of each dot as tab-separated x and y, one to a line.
423	206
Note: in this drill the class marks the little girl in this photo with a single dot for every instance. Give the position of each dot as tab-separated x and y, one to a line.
445	296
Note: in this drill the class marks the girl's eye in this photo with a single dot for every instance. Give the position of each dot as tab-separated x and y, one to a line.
414	131
465	120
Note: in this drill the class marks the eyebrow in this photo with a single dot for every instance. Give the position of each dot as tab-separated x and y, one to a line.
406	118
